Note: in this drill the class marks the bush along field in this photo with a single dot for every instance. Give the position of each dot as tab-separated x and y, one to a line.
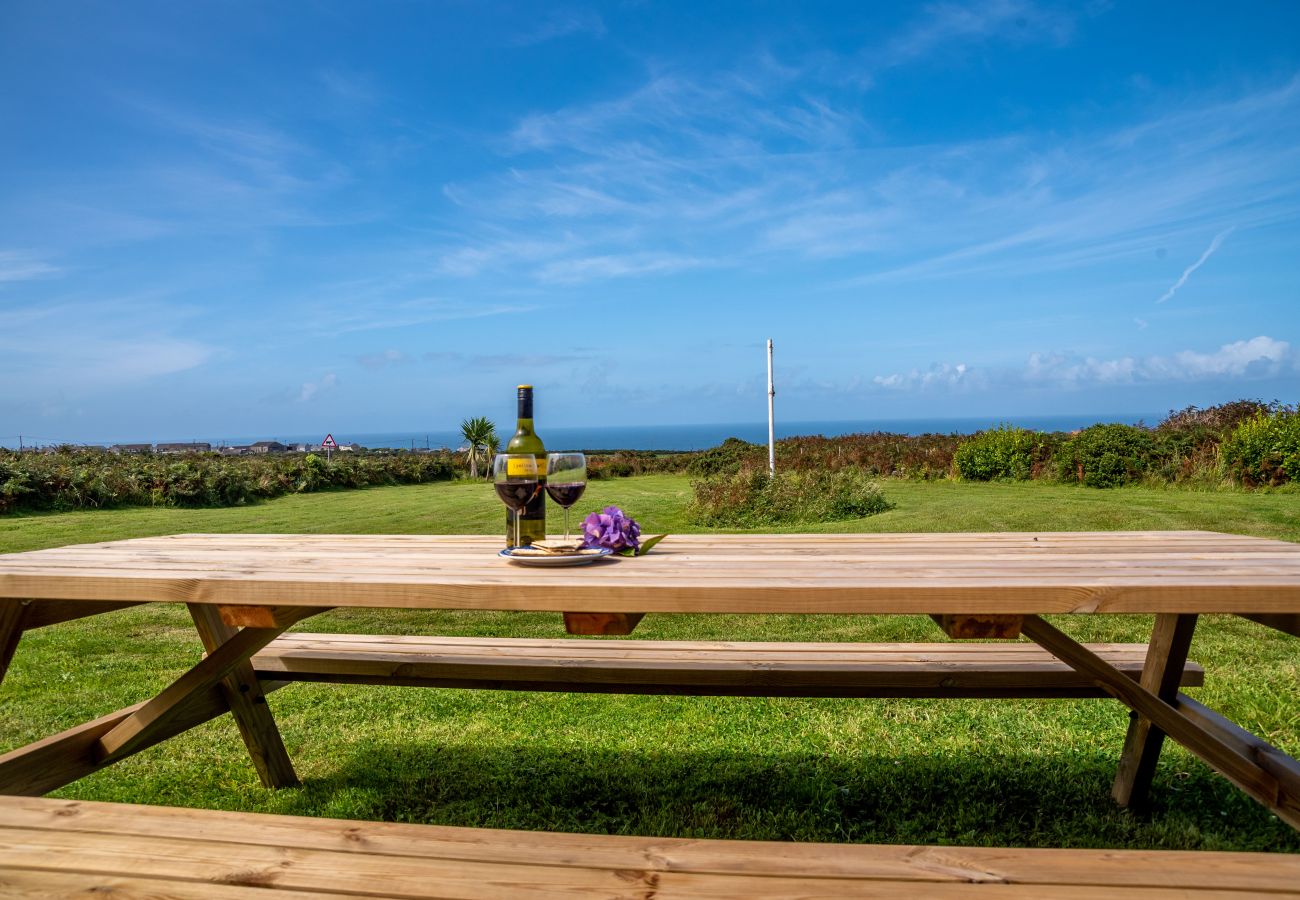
1246	444
91	479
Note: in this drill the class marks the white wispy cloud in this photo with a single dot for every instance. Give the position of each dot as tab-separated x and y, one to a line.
946	375
1187	273
1243	360
19	265
560	23
943	24
590	268
383	359
312	389
94	345
764	162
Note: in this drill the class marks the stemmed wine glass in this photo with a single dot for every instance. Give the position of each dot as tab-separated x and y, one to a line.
566	479
515	477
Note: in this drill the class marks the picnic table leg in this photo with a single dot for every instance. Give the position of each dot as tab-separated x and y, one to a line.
247	703
11	629
1171	638
1262	771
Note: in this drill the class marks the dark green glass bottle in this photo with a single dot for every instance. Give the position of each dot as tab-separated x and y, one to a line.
532	521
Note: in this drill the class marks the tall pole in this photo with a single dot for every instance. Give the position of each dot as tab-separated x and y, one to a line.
771	409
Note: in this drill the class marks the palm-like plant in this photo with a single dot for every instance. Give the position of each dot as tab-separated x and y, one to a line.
481	435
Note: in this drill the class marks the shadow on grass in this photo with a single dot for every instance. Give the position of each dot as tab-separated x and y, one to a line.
1017	799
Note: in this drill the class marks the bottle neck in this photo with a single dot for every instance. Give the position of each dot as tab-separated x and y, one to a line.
524	426
526	407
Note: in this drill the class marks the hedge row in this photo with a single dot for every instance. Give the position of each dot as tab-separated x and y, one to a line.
1250	444
1246	442
88	479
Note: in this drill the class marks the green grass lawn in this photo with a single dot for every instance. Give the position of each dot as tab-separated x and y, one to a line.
1021	773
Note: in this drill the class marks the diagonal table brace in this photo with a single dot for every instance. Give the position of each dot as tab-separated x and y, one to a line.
226	667
1264	772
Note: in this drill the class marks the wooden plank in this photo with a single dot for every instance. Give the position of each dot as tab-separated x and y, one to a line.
961	574
693	668
280	853
610	624
1171	638
138	729
1259	752
969	627
1289	623
12	614
61	759
42	884
52	612
247	701
1257	781
262	616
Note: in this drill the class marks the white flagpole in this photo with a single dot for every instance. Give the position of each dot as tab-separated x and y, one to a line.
771	428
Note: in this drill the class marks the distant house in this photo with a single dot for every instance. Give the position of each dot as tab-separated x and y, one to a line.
194	447
234	451
267	447
131	448
350	447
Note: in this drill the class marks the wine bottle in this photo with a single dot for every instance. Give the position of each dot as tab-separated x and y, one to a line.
532	521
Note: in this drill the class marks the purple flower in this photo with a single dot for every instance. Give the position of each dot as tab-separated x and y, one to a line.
611	529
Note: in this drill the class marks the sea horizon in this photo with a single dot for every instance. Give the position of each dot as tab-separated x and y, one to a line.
667	437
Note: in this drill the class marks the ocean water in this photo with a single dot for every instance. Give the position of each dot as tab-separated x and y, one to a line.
701	437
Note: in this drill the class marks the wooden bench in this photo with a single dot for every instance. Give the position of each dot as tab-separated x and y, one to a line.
62	848
695	667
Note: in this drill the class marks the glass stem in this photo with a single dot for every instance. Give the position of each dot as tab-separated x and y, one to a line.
566	523
517	527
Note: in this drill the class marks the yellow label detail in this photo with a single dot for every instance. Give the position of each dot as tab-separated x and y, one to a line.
522	468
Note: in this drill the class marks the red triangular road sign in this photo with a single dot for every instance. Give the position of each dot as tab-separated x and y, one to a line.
329	442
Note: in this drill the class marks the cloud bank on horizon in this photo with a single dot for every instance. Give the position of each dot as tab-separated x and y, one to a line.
304	217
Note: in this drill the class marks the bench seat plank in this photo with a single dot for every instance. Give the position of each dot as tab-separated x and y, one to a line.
695	667
166	852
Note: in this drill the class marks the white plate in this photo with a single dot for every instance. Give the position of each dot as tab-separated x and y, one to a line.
559	559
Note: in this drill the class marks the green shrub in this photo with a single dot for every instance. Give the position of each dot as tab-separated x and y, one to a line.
728	458
1005	452
1264	450
754	498
1106	455
91	479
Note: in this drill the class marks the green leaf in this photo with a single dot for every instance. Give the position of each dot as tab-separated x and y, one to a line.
648	543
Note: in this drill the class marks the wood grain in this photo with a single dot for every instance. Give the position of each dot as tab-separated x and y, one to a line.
993	574
158	850
694	668
1171	638
1225	756
156	715
247	701
11	632
607	624
972	627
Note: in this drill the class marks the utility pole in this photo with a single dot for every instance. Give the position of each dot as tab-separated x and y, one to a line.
771	410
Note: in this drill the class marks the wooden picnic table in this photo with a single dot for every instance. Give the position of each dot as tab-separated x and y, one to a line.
244	591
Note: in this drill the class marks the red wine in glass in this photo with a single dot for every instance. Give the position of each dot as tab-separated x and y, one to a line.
566	479
516	494
566	493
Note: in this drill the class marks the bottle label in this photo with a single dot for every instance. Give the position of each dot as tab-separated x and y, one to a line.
523	468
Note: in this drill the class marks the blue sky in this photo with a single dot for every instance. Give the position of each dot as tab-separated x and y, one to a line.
248	218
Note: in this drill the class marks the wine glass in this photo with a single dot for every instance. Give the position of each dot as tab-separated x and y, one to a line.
516	481
566	479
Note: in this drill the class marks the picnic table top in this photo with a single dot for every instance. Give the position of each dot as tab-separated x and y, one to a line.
1011	573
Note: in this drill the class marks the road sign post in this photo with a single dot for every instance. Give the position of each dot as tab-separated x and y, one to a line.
330	446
